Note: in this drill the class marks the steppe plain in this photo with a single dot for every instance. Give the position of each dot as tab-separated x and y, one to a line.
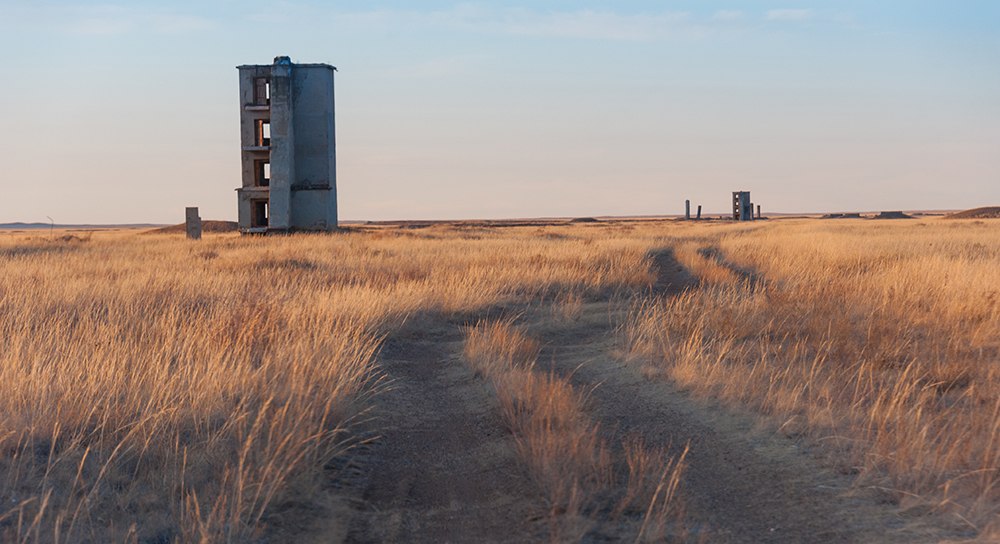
792	380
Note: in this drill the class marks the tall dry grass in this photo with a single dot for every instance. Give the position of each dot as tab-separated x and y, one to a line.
880	340
155	389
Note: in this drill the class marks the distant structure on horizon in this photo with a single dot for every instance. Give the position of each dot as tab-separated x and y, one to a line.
288	147
742	207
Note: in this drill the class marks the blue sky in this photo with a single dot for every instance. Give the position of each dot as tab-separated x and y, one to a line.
127	112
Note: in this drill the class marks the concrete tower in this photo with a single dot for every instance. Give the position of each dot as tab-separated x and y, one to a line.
288	147
742	207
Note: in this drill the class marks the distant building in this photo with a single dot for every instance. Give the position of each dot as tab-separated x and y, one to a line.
742	207
288	147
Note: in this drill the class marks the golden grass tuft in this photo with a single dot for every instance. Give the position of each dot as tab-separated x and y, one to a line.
556	441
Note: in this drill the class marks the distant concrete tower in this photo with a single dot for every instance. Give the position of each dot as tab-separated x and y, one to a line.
742	207
288	147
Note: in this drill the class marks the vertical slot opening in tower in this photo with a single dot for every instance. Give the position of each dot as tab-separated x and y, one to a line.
262	173
262	133
261	91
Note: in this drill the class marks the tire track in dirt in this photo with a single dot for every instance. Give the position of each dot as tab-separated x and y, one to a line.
742	484
444	468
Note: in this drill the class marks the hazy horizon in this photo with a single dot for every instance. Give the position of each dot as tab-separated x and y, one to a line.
127	113
711	214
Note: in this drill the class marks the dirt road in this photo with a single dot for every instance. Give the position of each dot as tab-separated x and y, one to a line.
445	469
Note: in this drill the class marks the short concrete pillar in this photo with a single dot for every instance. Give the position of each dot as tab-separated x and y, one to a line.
192	223
758	211
699	211
687	209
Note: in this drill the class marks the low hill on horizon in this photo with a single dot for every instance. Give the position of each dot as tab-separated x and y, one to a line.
987	212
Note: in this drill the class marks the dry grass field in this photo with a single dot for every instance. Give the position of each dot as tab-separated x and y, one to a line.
881	340
154	389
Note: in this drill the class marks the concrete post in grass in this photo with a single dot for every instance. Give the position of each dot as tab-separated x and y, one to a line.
192	223
687	210
699	211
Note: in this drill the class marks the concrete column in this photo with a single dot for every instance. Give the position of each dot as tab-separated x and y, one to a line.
282	145
687	209
192	223
699	211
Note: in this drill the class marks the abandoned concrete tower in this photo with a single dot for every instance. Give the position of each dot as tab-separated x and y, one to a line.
742	207
288	147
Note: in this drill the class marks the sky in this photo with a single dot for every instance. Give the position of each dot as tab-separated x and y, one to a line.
127	112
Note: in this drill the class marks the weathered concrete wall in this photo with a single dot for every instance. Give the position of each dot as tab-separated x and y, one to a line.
314	138
315	148
313	208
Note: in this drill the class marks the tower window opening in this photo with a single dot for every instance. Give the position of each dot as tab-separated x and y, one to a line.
262	133
262	91
262	173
